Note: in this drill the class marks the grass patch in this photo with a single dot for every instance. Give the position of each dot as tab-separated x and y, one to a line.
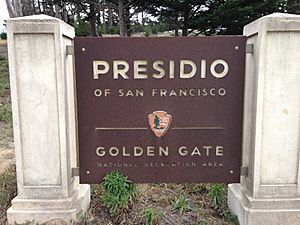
5	113
8	190
5	102
4	79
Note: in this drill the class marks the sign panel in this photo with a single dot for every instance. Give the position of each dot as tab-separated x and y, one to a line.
160	109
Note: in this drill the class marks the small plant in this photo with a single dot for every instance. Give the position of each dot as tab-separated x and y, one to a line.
151	218
216	194
8	190
180	205
118	193
234	220
8	187
81	218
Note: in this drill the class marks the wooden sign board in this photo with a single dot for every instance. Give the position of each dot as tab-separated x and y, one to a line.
160	109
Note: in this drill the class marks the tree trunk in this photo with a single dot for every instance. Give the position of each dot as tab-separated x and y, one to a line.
18	7
51	10
127	22
122	19
34	8
104	22
110	16
93	31
176	32
14	8
65	14
39	7
143	19
30	7
10	9
185	21
184	30
57	11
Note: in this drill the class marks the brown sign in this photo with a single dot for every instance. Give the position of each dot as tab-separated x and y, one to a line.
160	109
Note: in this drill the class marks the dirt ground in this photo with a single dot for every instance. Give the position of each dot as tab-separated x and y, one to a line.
7	154
3	48
159	198
6	133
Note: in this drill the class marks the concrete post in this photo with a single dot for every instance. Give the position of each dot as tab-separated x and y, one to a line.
43	103
270	194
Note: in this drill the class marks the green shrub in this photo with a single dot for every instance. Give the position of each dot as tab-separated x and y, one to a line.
82	28
148	31
180	204
118	193
216	194
234	220
8	190
114	30
3	35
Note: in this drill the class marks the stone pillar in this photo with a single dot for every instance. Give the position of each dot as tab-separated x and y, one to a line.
270	193
43	103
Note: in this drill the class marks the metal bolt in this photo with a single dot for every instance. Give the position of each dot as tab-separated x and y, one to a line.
87	172
83	49
236	47
231	172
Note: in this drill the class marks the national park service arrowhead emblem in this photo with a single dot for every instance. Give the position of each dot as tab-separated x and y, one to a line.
159	122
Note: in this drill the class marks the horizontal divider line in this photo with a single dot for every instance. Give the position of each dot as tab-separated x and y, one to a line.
121	128
197	128
144	128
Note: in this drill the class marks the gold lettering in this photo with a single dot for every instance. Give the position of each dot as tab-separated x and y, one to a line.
121	92
139	92
207	148
138	70
196	151
97	71
137	151
150	150
154	92
163	92
203	69
185	75
173	93
129	93
171	69
183	92
120	71
219	151
100	151
157	66
183	151
113	151
214	65
124	152
163	151
212	91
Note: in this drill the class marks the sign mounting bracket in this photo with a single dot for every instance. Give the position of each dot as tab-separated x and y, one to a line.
70	50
